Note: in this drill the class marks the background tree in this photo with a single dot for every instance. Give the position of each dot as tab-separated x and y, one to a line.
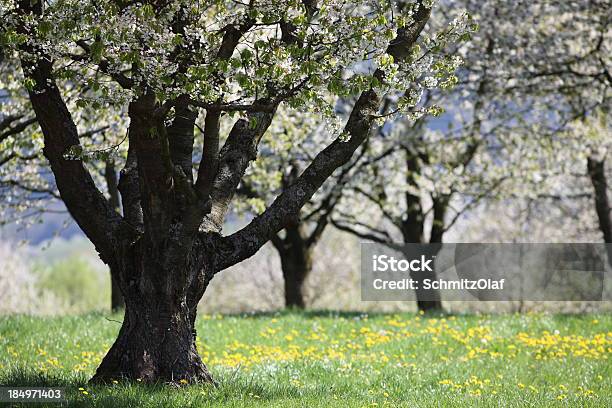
425	173
531	72
557	54
282	159
165	62
417	187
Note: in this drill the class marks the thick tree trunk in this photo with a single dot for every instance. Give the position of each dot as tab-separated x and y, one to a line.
296	263
156	342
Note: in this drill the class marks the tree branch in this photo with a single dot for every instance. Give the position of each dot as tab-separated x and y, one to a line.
248	240
104	65
239	149
359	234
209	165
13	130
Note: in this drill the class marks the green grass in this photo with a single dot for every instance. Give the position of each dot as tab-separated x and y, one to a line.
346	360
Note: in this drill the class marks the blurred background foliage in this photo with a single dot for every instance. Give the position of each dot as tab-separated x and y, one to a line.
64	276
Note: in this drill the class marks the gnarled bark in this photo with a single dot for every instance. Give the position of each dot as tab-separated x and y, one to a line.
157	340
156	343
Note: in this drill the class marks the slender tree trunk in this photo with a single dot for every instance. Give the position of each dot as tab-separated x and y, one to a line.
428	300
294	275
597	173
431	299
412	227
117	302
110	175
296	263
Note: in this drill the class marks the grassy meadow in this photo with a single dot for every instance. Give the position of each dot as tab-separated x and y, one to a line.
308	359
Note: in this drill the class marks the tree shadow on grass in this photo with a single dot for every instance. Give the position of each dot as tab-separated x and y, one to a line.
232	391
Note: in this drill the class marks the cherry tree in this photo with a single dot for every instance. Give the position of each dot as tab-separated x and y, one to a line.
535	71
421	174
162	64
557	54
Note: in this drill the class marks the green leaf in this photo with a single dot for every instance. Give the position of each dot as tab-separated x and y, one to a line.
29	83
81	103
96	51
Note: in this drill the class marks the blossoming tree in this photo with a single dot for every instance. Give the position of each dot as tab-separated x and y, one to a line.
532	72
562	59
168	62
